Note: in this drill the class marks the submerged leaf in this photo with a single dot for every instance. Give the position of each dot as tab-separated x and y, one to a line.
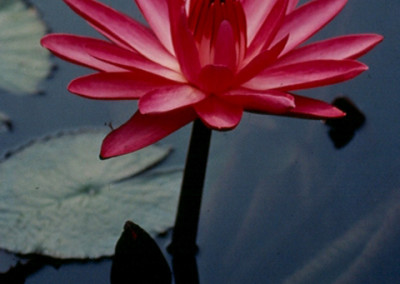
58	199
23	63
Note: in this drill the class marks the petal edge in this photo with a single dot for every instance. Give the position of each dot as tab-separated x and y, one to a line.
143	130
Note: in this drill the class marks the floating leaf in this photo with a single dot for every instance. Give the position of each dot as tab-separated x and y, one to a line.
23	62
58	199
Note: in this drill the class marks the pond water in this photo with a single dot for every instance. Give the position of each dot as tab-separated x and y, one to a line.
281	204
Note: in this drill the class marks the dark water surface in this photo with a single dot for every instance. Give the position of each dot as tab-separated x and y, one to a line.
281	203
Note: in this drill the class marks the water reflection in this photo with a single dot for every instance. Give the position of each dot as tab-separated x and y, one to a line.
355	251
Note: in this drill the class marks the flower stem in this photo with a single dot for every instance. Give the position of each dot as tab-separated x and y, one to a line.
187	218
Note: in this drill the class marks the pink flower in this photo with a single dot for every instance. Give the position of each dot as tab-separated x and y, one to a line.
208	59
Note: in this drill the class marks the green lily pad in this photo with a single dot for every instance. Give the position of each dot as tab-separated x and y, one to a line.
23	62
58	198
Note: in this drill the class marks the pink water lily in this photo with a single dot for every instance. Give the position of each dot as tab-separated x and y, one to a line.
208	59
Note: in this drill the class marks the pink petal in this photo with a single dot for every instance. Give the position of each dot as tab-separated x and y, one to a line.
219	114
112	38
306	75
314	109
259	63
291	6
256	11
344	47
117	86
128	59
183	41
124	29
169	98
215	79
240	29
268	29
224	47
308	19
204	29
142	130
74	49
269	102
156	15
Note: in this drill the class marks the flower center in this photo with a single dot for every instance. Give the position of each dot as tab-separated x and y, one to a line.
205	18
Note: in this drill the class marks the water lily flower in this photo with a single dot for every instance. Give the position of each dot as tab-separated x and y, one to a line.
208	59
